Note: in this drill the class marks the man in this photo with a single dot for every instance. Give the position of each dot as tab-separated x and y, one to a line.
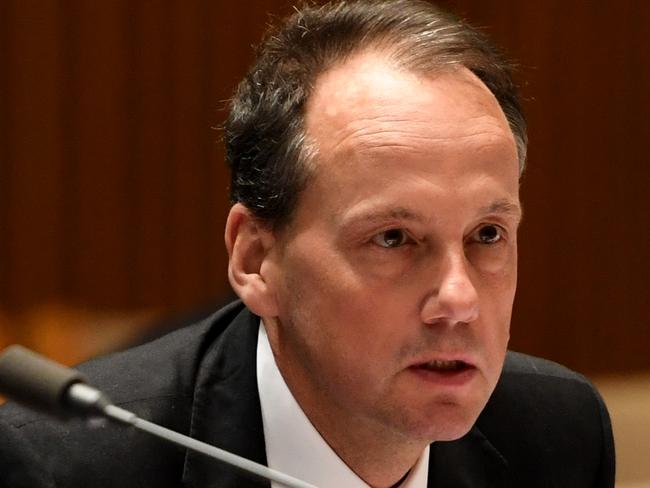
376	149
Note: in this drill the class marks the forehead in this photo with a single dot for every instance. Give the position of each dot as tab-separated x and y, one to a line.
366	104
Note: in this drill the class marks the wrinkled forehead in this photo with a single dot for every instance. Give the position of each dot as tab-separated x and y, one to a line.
366	99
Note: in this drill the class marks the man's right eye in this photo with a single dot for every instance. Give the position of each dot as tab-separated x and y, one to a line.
391	238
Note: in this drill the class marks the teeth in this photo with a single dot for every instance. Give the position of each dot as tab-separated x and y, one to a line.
444	365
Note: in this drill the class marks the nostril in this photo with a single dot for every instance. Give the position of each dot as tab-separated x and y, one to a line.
445	309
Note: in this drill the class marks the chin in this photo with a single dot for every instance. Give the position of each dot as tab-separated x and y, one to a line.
448	423
453	433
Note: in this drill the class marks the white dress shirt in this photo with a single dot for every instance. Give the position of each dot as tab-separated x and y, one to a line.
294	446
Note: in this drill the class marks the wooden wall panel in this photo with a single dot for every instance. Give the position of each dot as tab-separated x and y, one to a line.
99	118
149	127
4	158
32	164
113	191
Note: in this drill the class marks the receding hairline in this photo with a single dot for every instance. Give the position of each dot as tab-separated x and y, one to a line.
388	46
378	53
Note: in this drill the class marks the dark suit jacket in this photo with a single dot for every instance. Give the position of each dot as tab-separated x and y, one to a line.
544	426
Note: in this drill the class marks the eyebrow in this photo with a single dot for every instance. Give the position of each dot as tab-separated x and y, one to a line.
401	213
397	213
503	206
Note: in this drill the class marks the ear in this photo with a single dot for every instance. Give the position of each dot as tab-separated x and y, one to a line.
249	243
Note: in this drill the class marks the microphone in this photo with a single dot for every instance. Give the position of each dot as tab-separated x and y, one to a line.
42	384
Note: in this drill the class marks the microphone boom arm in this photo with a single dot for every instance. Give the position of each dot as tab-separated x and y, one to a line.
42	384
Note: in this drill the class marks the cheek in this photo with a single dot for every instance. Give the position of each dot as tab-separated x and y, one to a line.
341	318
497	318
495	270
497	296
317	272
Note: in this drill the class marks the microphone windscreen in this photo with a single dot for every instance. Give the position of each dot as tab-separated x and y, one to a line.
35	381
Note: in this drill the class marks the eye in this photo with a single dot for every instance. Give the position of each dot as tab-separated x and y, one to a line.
391	238
488	234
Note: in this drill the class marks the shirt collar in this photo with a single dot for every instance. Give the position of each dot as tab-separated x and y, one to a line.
294	446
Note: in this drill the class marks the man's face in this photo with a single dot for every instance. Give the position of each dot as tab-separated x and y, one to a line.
394	281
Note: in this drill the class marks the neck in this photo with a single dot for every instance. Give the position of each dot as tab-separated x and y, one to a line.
380	459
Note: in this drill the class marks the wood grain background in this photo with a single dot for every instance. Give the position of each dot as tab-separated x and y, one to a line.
113	190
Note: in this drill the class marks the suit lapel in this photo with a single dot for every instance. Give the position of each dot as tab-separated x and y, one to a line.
226	411
469	462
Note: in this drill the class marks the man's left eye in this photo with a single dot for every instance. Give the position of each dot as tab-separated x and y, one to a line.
488	234
391	238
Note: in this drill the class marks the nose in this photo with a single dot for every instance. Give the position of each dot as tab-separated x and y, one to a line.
454	297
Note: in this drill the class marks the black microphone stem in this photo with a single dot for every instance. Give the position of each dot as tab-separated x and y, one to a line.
125	417
45	385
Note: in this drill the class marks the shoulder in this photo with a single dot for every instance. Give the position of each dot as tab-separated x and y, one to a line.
546	387
542	414
163	368
152	373
155	380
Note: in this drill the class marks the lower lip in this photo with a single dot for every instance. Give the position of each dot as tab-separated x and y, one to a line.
445	378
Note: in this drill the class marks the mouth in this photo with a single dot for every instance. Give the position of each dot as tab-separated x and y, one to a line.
441	372
439	365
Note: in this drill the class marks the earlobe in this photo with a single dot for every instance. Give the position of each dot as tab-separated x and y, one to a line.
249	243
